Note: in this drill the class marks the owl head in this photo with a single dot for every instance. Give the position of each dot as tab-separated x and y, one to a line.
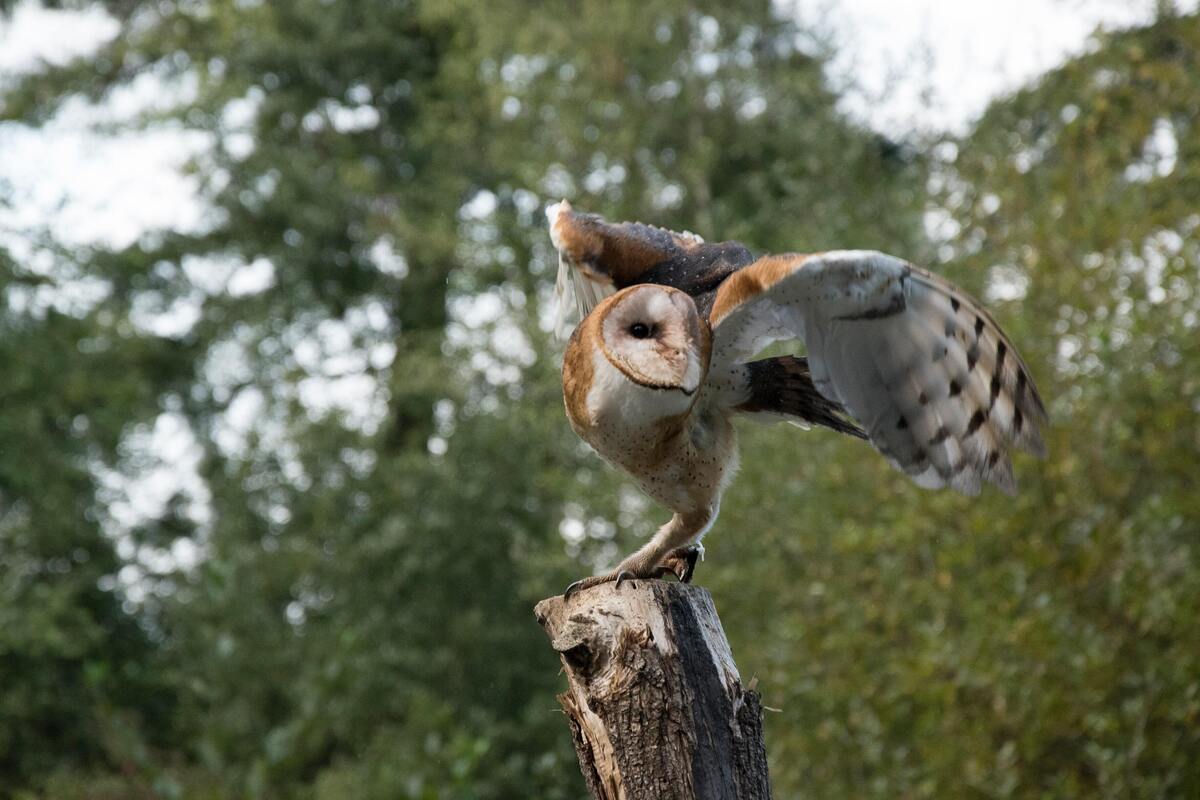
642	354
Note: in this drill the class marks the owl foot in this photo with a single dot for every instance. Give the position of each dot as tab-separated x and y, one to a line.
681	562
620	576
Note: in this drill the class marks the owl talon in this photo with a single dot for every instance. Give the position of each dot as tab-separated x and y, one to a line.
585	583
681	562
625	575
690	557
595	580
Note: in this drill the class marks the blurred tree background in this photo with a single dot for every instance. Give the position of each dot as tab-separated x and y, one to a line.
353	349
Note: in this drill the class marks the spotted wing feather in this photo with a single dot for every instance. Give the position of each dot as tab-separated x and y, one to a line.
925	370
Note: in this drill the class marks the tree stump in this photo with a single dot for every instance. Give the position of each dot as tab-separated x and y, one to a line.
655	704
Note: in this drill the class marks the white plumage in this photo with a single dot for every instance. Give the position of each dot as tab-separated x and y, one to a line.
921	366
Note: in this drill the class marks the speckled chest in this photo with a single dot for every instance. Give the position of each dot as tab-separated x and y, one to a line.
683	463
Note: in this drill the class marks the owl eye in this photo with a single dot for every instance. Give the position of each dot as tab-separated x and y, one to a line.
639	330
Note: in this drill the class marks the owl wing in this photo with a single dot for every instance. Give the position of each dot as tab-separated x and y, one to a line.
596	258
927	372
782	388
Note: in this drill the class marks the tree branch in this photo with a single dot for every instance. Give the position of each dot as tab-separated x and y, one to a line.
655	704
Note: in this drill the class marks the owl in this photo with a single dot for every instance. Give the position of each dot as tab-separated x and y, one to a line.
663	361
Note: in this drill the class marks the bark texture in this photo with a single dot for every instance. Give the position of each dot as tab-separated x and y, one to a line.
655	704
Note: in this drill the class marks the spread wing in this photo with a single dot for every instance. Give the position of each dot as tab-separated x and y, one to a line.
927	372
596	258
782	388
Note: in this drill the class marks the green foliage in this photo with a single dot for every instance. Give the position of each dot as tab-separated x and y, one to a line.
358	623
929	645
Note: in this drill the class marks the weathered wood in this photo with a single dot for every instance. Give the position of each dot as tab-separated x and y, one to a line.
655	704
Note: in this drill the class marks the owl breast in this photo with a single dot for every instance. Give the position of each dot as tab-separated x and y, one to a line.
680	450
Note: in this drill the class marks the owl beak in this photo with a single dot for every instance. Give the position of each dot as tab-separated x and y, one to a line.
691	376
687	383
693	371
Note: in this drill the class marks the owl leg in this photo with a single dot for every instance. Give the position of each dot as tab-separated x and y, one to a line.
666	550
681	562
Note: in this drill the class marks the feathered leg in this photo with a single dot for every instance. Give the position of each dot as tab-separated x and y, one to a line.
665	550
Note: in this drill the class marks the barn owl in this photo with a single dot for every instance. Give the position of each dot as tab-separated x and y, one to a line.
660	365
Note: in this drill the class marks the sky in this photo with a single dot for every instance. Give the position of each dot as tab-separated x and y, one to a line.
907	65
936	64
929	65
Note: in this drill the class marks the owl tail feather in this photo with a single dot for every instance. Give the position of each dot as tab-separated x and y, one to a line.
572	283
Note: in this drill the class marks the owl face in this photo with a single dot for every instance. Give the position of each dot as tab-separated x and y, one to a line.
652	334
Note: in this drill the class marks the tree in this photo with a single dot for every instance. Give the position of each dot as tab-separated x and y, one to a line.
931	645
74	658
354	343
385	467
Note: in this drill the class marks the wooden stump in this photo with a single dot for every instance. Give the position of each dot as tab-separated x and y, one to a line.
654	701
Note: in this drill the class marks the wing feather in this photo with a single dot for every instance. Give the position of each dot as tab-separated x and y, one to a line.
927	372
573	286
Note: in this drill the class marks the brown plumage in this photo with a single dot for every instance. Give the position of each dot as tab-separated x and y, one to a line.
783	386
658	368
